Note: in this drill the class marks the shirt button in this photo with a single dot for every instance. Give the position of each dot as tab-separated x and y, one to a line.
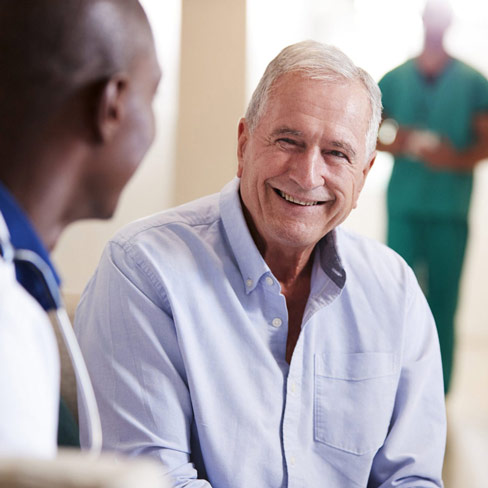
249	282
269	280
293	461
276	322
293	387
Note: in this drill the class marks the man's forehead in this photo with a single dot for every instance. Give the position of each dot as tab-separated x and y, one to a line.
289	87
294	91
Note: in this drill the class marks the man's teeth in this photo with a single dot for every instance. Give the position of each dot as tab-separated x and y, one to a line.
289	198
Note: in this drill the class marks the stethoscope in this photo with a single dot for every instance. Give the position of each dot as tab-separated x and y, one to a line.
58	310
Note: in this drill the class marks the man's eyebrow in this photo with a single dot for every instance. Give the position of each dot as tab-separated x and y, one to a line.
286	131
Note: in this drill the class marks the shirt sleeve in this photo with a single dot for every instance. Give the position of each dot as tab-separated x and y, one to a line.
127	335
481	94
412	455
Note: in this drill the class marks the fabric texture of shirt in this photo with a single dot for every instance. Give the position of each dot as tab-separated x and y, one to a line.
29	372
184	331
445	106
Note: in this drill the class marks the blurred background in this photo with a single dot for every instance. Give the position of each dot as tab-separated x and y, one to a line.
213	53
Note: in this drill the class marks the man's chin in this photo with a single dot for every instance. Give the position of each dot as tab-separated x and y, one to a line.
298	237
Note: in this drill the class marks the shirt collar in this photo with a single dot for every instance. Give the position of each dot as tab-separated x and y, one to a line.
330	260
24	236
251	264
328	274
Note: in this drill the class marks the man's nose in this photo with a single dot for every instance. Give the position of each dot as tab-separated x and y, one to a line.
307	169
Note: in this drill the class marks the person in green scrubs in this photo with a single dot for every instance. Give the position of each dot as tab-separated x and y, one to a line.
438	107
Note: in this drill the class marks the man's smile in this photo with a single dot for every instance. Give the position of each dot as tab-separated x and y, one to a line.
296	201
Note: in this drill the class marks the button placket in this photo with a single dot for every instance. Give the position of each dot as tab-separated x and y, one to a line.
276	322
292	418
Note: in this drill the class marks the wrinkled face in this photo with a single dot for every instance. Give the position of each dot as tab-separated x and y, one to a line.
124	153
305	163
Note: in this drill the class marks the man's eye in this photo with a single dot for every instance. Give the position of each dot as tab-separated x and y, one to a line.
287	141
337	155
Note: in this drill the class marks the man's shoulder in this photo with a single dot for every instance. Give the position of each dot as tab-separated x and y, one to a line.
467	71
400	71
361	254
203	212
32	323
352	239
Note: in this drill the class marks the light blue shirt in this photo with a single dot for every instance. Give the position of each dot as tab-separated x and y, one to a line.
184	330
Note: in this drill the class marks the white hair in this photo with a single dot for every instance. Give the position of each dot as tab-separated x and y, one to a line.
318	62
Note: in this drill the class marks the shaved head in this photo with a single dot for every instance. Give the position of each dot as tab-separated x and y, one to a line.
76	118
49	49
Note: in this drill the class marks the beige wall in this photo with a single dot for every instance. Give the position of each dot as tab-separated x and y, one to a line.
212	95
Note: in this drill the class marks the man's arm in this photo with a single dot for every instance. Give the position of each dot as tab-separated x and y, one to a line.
446	155
443	154
412	455
128	338
396	138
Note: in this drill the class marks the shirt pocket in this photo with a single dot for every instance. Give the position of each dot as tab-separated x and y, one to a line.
353	399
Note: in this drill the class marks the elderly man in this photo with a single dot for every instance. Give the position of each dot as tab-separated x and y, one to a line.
248	341
76	119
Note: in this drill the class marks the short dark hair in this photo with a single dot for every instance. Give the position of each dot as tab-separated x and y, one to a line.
51	48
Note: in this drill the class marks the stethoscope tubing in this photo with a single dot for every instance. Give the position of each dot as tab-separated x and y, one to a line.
56	305
65	327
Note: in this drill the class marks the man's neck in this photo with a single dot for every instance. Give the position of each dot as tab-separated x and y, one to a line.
289	266
49	191
294	272
433	59
43	198
46	222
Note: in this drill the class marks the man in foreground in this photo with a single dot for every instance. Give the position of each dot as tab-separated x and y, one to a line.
76	119
245	339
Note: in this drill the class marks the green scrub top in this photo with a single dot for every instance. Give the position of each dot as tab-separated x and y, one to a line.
446	106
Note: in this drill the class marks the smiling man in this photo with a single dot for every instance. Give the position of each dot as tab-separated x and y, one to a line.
245	339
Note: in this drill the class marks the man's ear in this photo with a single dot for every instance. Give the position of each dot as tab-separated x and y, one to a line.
365	172
368	167
110	106
242	138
